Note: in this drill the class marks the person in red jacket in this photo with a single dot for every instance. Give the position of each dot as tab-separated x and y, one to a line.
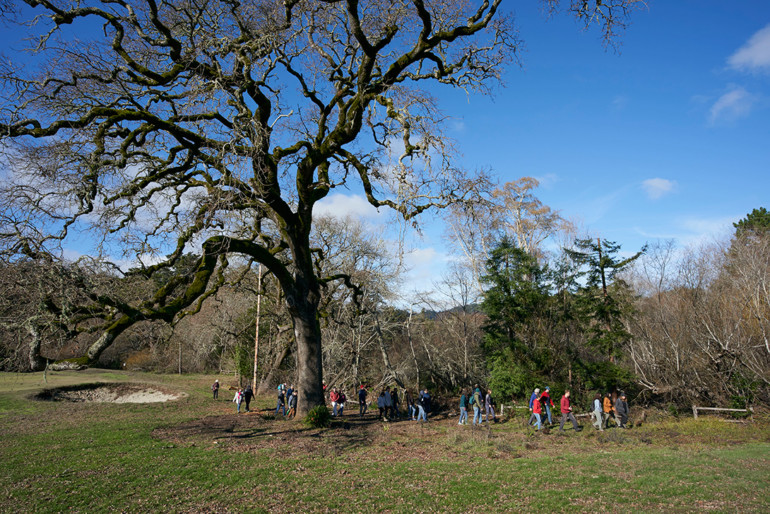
537	410
334	397
566	413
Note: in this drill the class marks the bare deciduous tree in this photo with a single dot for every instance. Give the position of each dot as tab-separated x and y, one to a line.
216	126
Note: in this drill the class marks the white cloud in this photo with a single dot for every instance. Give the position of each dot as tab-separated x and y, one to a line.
658	187
734	104
339	205
423	267
707	226
422	257
696	230
755	54
548	180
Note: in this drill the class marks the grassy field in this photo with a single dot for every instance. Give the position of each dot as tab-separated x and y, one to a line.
197	455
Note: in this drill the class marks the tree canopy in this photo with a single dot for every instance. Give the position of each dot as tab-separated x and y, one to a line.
215	127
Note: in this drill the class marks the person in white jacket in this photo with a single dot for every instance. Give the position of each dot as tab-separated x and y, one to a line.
238	399
597	412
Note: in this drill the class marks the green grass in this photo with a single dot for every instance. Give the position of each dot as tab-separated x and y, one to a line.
104	457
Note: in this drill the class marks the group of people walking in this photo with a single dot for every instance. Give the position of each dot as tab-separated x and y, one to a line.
241	396
602	410
286	396
480	403
391	404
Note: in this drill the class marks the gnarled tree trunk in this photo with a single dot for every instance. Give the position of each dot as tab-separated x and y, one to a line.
36	362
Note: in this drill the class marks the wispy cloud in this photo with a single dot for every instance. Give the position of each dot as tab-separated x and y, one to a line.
457	125
658	187
597	207
340	206
755	54
691	230
548	180
619	102
424	265
695	230
734	104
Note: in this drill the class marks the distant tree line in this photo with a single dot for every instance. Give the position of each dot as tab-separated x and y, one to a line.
667	324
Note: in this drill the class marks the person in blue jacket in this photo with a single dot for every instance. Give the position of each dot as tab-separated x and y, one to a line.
532	398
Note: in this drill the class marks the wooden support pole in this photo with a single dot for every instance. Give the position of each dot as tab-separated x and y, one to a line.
256	336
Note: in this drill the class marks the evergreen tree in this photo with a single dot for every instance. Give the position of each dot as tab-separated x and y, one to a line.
603	301
516	296
756	223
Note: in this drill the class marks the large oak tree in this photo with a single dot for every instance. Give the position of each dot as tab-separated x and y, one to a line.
215	126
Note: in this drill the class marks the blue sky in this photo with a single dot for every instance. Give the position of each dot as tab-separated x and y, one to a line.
669	138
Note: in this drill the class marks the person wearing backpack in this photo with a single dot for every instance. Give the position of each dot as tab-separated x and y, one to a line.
292	405
476	402
281	403
463	408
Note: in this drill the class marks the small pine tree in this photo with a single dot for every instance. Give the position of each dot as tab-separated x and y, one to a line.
603	301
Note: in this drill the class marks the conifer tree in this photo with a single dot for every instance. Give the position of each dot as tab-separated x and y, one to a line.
602	301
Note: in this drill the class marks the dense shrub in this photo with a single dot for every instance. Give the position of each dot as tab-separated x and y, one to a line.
318	417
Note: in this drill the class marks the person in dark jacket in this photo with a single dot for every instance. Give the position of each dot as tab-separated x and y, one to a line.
341	400
362	393
547	402
215	389
381	406
394	400
463	408
281	403
248	394
425	401
489	402
621	411
292	405
410	404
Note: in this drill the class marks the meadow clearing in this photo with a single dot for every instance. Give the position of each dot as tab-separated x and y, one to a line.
194	454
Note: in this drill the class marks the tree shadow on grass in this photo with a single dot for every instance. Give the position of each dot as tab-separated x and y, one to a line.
261	430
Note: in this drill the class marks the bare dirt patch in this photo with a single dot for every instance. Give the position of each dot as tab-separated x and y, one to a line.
368	439
351	437
109	393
